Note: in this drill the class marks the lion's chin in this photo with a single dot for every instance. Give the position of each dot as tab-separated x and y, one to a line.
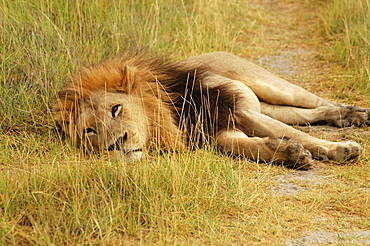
133	155
128	156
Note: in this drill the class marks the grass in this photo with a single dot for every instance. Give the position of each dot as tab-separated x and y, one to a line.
52	194
347	25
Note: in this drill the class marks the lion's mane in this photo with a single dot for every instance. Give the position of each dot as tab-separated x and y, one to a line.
159	83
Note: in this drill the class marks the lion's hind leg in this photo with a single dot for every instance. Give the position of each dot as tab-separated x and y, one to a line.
269	149
267	86
341	116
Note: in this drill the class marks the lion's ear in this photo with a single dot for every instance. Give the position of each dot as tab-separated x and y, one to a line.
130	78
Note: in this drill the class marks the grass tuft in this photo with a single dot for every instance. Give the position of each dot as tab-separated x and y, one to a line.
347	25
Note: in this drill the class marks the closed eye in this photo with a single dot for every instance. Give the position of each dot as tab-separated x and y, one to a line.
116	109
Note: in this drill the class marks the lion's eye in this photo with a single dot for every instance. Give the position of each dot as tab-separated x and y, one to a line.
116	109
89	131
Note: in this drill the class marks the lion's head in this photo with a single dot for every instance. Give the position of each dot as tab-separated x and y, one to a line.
119	105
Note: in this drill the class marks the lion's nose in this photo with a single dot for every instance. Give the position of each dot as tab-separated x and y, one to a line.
120	142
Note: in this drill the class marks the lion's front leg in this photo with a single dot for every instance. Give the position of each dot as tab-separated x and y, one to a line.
278	150
255	124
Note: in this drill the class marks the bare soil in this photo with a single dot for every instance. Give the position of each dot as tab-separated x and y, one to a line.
286	43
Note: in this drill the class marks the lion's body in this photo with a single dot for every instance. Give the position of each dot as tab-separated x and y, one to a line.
134	103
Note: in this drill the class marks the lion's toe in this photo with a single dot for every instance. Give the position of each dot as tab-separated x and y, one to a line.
290	153
352	116
368	116
301	160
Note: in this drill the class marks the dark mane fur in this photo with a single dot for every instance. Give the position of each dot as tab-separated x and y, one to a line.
195	109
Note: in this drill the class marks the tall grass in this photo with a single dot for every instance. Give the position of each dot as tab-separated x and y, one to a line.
42	42
347	25
52	194
94	202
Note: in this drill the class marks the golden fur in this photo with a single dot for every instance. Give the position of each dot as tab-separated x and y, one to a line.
133	75
130	103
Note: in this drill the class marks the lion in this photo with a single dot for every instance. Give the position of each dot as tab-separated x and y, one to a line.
132	103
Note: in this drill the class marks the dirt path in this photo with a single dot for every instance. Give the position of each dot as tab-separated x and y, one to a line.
285	43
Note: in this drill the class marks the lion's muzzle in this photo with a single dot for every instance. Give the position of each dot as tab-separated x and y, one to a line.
131	152
119	144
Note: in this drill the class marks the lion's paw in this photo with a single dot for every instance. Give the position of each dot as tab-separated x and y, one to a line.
345	150
290	153
352	116
338	151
